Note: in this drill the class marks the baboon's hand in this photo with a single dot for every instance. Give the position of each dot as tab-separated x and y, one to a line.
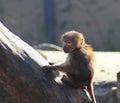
47	68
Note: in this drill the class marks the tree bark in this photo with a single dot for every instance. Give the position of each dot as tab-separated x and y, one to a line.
22	76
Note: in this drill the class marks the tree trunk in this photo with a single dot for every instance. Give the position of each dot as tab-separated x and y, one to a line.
22	76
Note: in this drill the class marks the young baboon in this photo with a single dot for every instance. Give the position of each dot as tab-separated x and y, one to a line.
79	65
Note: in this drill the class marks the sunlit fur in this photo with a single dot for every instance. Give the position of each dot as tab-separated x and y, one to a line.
79	64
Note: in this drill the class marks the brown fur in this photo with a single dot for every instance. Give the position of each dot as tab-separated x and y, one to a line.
79	65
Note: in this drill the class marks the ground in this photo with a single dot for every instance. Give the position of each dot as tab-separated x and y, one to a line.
107	63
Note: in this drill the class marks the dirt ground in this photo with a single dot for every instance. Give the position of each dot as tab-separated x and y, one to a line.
107	64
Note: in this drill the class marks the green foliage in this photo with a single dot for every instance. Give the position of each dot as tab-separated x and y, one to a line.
113	40
66	9
89	1
42	30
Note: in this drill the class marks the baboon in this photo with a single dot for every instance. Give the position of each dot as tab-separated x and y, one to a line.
79	65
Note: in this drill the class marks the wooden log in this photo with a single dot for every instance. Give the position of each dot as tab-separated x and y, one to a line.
22	76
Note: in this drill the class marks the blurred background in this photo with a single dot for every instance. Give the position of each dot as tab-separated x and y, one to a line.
43	21
38	21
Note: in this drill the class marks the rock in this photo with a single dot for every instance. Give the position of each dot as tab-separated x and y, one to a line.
47	46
